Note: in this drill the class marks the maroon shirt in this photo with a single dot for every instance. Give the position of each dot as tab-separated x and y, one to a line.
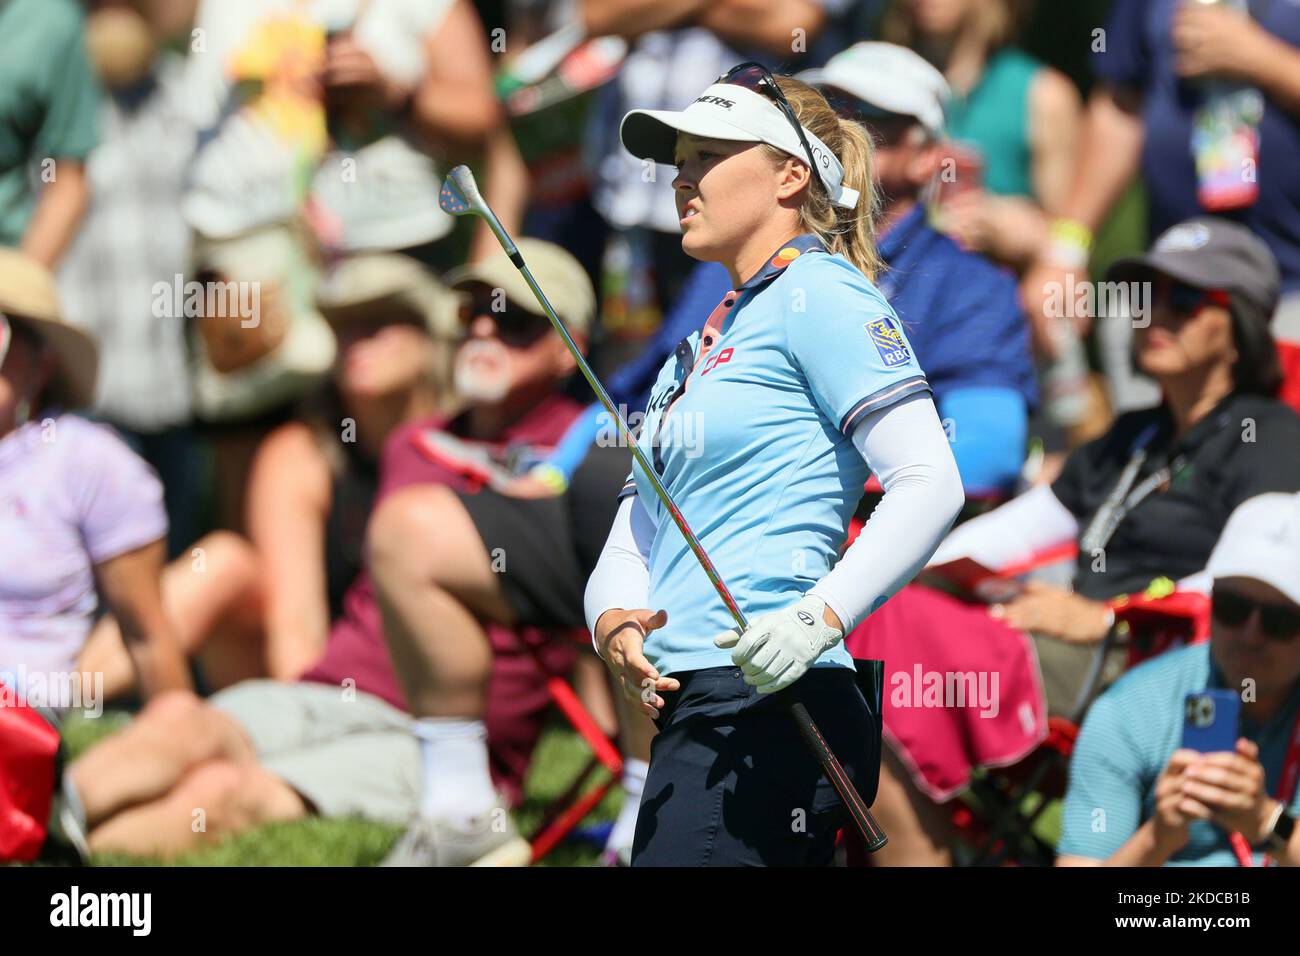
356	649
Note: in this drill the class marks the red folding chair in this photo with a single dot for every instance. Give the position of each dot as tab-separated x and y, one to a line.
997	815
564	814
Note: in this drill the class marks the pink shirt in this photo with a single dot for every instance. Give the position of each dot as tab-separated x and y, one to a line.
72	495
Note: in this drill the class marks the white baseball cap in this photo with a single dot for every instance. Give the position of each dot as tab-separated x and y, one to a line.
729	111
891	78
1262	540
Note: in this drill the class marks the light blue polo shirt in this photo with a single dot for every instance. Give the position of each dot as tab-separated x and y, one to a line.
1127	739
756	451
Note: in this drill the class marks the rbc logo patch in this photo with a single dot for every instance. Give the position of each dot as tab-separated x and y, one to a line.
889	342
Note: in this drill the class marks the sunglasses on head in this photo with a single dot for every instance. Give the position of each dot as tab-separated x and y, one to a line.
515	326
757	77
1186	299
1278	621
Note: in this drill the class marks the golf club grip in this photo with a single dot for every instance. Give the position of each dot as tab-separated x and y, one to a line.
866	824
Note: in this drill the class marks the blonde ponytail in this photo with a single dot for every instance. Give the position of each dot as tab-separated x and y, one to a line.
848	232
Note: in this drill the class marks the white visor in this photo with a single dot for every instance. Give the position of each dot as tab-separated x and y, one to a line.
729	112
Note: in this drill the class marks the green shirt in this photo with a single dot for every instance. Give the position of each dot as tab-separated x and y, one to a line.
49	101
994	118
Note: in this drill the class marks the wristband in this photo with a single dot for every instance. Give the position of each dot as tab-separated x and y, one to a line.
1069	243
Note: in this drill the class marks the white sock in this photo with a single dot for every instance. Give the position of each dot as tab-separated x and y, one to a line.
634	772
454	756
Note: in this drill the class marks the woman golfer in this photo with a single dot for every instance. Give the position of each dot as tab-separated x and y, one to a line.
764	427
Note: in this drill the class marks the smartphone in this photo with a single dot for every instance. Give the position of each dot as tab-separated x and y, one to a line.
1210	721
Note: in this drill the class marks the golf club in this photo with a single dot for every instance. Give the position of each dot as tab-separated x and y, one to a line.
460	196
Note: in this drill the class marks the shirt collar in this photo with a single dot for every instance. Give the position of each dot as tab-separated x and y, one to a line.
783	256
901	232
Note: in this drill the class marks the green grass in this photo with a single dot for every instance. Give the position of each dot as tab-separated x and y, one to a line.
318	842
559	758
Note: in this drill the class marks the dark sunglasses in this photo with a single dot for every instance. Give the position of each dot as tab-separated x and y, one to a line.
1186	299
1277	621
755	76
515	326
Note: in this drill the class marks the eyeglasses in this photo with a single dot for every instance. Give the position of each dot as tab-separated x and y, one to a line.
515	326
1186	299
755	76
1278	622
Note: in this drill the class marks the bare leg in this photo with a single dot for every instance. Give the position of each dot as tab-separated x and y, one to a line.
637	733
638	730
919	829
213	598
213	800
175	733
591	684
432	574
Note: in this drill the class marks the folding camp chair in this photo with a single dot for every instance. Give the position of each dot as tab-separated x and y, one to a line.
564	814
998	813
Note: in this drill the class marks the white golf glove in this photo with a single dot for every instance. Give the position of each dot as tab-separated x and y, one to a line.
778	648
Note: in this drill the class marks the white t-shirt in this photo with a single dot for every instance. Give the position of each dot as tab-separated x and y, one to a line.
258	157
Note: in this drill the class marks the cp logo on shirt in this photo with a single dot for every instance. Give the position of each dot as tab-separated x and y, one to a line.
716	360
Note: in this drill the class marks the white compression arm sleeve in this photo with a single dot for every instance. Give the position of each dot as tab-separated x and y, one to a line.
905	447
1012	533
621	578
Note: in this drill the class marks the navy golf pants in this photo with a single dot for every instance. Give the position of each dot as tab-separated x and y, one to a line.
731	781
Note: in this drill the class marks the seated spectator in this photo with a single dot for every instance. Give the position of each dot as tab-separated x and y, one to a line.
263	606
1200	102
341	739
963	314
1137	795
81	517
1146	500
447	560
1013	122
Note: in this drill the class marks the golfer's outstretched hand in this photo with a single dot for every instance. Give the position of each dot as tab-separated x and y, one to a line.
778	648
620	635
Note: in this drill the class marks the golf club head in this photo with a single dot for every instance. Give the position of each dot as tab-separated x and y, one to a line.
459	195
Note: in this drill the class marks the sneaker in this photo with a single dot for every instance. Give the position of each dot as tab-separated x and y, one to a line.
67	826
489	839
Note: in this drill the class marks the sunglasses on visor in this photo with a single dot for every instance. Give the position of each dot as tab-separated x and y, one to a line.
758	78
1277	621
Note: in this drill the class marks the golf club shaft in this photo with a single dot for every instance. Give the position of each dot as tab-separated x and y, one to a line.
859	813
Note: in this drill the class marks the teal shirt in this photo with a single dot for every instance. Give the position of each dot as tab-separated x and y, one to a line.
49	100
1127	740
756	452
994	118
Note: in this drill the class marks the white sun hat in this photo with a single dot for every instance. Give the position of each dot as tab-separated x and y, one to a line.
729	111
1262	541
890	78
